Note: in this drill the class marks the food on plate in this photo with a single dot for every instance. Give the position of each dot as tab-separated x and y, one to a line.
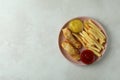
68	35
79	38
71	50
76	25
83	40
95	52
91	37
88	57
94	37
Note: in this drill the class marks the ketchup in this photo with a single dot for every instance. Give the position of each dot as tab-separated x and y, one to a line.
88	57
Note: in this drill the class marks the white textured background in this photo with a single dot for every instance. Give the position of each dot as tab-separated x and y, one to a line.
29	34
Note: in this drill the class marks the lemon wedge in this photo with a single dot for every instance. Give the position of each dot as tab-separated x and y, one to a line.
75	25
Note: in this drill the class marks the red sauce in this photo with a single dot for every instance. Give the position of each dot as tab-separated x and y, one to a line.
88	57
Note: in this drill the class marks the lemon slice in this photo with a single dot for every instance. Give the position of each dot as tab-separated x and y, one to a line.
75	25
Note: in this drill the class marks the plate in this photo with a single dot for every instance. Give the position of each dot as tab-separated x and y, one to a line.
61	39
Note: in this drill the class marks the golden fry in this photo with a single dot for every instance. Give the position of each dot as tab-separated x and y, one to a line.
92	33
93	41
93	37
95	52
87	39
83	39
87	36
98	32
85	29
91	24
86	24
94	48
102	41
98	44
79	38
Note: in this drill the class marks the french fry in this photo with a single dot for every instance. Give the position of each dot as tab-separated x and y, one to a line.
93	37
93	48
85	37
92	25
79	38
92	33
84	40
91	41
98	32
95	28
100	36
102	41
95	52
85	29
99	45
94	44
86	24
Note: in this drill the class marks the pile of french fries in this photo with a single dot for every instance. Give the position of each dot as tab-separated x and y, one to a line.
92	37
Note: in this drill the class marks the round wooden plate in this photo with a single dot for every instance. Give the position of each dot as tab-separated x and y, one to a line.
61	38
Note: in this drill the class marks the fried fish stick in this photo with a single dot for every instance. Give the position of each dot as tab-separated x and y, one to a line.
68	35
73	52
